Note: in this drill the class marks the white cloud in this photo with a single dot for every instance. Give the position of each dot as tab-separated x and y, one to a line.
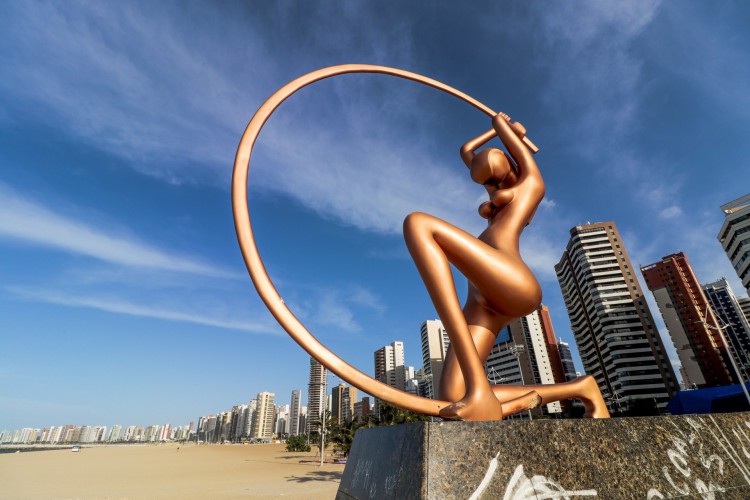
32	223
547	204
119	306
331	311
363	297
670	212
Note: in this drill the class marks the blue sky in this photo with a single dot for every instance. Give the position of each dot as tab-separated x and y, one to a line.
123	296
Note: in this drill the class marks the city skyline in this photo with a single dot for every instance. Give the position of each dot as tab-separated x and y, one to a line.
123	291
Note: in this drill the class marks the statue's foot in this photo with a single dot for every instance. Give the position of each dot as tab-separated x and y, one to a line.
522	403
474	407
591	397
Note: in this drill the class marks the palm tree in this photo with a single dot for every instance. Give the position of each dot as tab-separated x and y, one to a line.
324	423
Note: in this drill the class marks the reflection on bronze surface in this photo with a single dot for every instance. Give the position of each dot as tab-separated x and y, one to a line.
501	286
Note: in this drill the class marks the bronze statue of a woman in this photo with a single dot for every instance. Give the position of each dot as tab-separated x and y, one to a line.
501	286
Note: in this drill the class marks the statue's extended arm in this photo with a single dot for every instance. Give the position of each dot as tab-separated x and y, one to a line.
467	150
511	135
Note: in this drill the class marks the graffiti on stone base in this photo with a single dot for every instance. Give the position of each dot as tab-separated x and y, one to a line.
683	479
523	487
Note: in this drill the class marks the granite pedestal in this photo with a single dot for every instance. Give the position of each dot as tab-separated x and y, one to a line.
696	456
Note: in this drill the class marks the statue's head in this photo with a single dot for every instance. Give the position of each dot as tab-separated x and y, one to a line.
491	166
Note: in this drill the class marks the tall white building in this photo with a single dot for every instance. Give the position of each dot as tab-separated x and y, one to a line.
282	419
114	433
264	416
249	414
435	343
389	365
316	394
530	334
611	321
294	412
239	416
520	356
734	237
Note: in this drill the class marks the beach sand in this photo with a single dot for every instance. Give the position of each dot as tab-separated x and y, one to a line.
164	471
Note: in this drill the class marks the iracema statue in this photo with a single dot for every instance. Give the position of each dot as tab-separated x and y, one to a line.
501	285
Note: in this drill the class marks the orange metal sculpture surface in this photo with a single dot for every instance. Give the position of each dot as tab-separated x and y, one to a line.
501	286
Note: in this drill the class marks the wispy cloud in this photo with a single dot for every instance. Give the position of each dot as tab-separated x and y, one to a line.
341	308
606	89
670	212
109	72
31	222
330	311
368	183
146	98
120	306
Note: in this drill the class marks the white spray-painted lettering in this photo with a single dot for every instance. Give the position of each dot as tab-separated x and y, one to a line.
362	473
392	481
687	446
521	487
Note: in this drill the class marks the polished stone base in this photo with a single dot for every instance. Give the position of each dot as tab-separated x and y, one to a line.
695	456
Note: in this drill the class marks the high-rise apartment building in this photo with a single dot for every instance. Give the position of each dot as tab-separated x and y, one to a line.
342	403
530	336
114	433
389	365
435	343
503	365
553	349
282	420
294	412
610	319
744	303
690	322
303	419
316	394
569	368
733	321
337	402
249	414
263	417
362	409
734	237
237	424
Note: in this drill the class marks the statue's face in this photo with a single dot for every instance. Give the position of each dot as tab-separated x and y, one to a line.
492	168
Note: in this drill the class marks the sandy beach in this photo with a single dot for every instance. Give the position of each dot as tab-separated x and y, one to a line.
164	471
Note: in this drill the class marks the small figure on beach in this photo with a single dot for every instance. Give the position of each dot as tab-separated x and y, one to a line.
501	285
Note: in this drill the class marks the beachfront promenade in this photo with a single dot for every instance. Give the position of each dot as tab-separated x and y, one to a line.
168	471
